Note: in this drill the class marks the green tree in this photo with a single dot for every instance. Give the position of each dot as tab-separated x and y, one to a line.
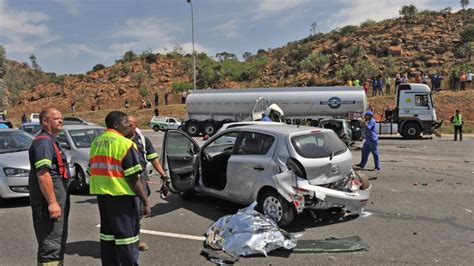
34	63
353	53
467	35
314	62
222	56
348	30
365	70
390	66
408	12
246	55
466	50
181	86
138	78
143	91
367	23
346	73
314	29
464	3
129	56
98	67
149	57
3	62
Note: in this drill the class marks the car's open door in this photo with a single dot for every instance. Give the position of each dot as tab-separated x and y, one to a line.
180	157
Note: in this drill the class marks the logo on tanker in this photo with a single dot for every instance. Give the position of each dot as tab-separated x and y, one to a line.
335	102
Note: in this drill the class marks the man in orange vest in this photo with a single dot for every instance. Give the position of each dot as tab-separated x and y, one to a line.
115	179
48	181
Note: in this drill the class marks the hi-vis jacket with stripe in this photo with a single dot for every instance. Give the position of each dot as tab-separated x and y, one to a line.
107	167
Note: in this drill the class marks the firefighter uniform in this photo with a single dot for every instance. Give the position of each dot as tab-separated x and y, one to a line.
114	159
51	234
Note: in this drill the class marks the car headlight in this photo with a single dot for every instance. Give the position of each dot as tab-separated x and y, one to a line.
15	171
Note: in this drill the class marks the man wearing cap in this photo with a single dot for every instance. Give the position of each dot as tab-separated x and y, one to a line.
458	123
370	143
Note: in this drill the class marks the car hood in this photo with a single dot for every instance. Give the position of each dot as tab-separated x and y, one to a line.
15	160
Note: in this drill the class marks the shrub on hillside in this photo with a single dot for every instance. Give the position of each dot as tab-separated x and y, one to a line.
129	56
467	35
367	23
365	70
346	73
348	30
314	62
98	67
181	86
149	57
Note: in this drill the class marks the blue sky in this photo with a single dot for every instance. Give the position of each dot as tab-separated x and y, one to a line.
71	36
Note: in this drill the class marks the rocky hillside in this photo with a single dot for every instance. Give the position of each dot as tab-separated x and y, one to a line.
430	43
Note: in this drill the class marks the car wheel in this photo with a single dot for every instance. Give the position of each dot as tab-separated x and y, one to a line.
412	131
274	205
192	129
81	184
156	128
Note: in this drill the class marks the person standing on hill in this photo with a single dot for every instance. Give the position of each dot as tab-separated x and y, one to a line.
366	88
156	98
374	86
356	82
462	80
388	82
166	97
469	79
458	123
380	86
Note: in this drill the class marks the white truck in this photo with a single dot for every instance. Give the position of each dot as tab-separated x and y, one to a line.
207	110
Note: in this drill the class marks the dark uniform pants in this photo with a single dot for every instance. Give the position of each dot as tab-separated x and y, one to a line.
119	228
456	130
51	234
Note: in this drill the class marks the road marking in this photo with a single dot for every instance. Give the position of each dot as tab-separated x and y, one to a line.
174	235
365	214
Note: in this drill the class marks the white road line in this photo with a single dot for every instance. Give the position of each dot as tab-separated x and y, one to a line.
159	233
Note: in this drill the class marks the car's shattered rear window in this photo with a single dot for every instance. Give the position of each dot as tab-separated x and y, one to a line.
318	145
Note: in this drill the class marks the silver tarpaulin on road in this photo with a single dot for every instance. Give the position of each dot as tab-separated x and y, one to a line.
248	232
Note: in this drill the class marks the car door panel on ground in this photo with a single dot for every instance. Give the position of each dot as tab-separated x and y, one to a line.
180	158
248	165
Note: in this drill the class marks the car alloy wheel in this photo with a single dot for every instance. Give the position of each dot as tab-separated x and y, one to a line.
272	207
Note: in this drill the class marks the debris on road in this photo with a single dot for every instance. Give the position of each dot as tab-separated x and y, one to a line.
373	178
331	245
247	232
468	210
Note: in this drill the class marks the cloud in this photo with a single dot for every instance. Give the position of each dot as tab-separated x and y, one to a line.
187	48
229	29
24	31
274	6
71	6
146	33
356	12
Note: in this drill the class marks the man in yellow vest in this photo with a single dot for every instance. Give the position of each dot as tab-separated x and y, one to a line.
458	122
115	179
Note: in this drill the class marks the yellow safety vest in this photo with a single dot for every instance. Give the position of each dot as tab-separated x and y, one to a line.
107	177
458	120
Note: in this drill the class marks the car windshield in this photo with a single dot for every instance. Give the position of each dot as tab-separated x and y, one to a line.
14	141
83	138
318	145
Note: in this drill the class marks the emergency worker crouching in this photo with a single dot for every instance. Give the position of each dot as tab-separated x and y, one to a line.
115	179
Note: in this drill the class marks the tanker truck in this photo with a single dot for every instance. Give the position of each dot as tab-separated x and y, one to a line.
208	110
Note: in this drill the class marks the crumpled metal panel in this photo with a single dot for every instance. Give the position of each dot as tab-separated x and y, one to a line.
248	232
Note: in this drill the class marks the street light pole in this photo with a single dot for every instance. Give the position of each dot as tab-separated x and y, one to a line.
194	55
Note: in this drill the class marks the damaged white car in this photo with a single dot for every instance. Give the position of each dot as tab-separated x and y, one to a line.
286	169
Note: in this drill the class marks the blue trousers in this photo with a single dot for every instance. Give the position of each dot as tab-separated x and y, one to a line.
367	148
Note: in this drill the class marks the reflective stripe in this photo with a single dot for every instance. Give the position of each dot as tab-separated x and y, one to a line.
132	170
106	237
126	241
106	166
105	159
151	156
107	172
40	163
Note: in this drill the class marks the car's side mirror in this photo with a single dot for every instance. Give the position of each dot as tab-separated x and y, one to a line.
65	146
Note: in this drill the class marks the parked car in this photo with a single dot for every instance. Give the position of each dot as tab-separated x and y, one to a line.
163	123
71	120
341	127
34	118
15	164
76	142
31	128
285	168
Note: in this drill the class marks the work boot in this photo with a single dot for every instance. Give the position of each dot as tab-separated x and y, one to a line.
142	246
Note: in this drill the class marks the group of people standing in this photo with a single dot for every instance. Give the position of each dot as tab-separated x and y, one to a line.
118	158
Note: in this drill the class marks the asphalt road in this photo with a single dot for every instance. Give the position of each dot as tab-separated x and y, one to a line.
420	212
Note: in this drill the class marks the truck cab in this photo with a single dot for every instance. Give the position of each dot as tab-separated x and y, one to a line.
415	113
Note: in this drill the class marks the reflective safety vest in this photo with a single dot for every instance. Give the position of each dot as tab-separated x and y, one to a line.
107	177
457	120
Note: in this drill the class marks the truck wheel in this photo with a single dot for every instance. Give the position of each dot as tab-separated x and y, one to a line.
274	205
209	128
411	131
192	128
156	128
